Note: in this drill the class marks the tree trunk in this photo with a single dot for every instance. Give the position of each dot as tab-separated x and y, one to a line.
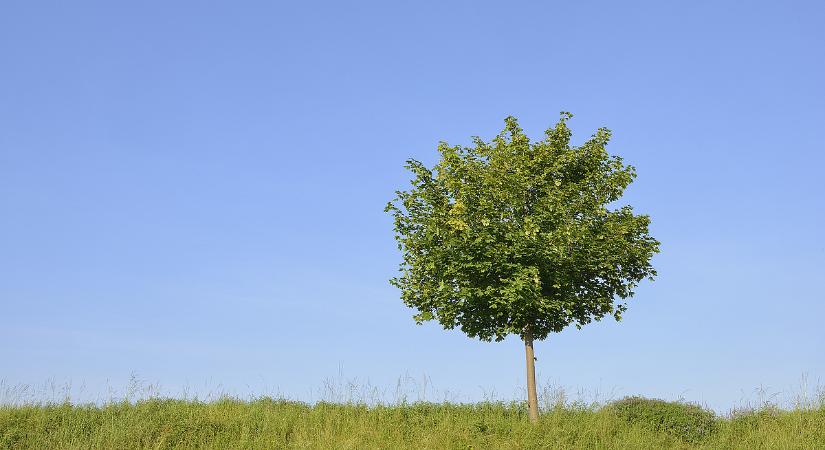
532	398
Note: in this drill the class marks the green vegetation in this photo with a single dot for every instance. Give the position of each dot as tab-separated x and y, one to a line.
266	423
513	237
691	423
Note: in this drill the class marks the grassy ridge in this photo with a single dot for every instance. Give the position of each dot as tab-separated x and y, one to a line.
270	423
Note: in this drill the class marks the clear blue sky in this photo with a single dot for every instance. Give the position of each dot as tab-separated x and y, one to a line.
194	191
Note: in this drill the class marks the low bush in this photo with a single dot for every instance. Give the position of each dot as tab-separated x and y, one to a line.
689	422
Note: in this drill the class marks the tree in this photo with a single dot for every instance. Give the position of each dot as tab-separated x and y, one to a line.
513	237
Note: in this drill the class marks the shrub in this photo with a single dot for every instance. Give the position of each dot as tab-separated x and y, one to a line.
688	422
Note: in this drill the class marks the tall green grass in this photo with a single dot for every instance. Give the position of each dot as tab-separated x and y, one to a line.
269	423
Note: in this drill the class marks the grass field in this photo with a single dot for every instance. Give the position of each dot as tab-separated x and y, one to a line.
267	423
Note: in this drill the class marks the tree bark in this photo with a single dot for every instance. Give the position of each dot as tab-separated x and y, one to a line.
532	398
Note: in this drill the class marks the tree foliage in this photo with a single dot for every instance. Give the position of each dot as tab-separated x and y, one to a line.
510	235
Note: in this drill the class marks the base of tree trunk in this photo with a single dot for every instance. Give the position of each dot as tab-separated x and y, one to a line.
532	397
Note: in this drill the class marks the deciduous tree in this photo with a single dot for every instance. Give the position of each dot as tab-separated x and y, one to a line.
513	237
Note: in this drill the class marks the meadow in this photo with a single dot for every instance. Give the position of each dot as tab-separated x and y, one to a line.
265	422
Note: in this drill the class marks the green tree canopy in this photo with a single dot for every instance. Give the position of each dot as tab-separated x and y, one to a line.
514	237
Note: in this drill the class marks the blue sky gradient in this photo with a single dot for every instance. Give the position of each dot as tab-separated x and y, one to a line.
194	191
